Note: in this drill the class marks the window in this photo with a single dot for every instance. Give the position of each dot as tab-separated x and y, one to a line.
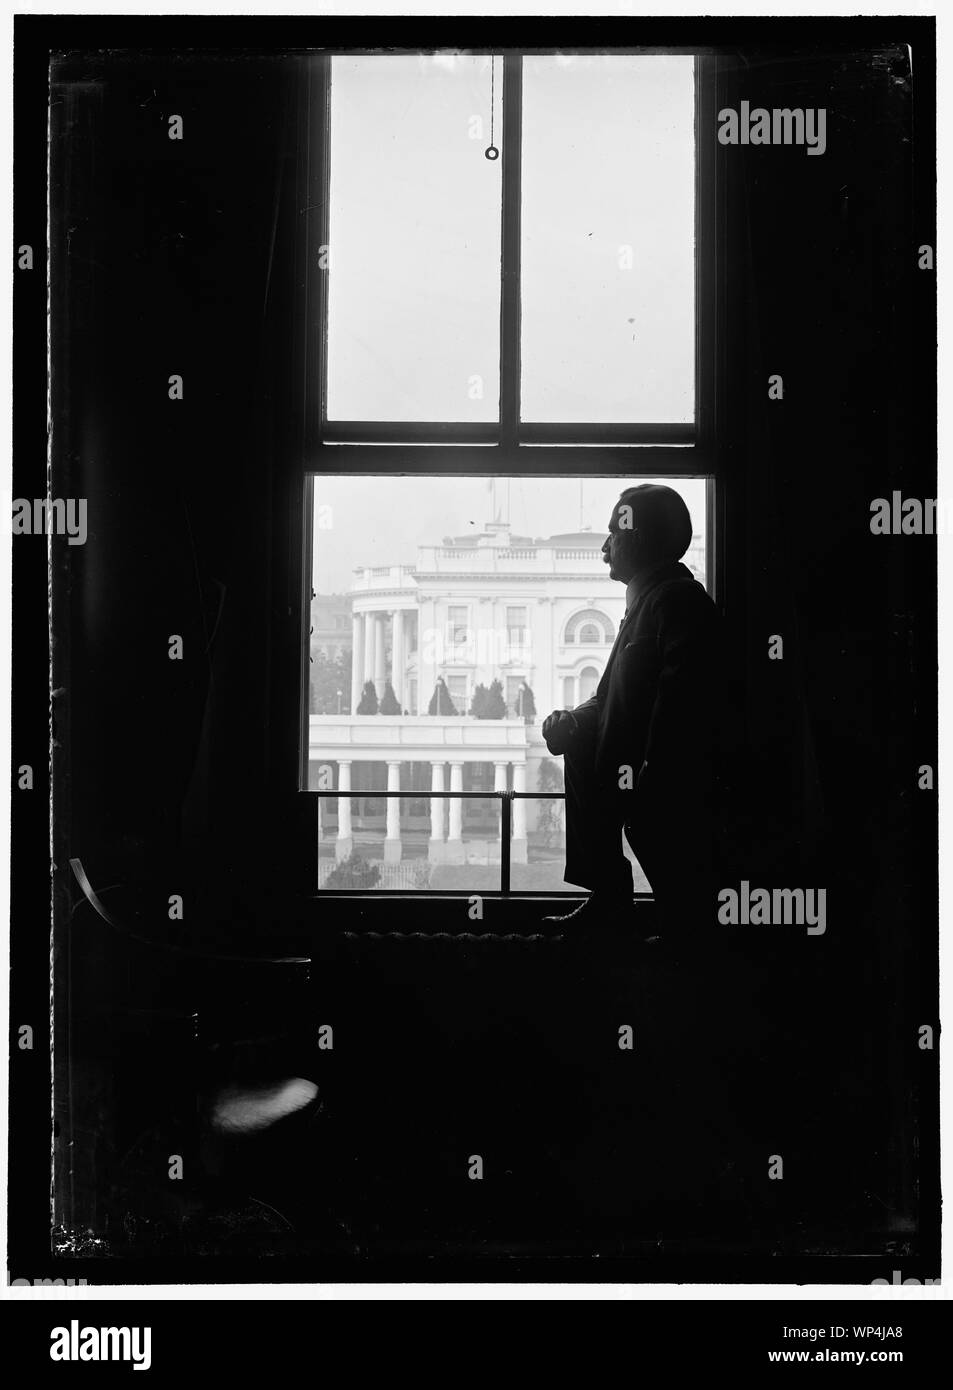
458	633
590	628
548	296
588	680
414	238
510	545
608	314
496	346
516	627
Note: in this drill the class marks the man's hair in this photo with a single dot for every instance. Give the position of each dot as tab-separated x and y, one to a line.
660	516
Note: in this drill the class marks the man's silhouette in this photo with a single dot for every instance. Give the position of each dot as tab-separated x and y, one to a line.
639	753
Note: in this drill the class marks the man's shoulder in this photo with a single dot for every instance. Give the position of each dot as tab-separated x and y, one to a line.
681	594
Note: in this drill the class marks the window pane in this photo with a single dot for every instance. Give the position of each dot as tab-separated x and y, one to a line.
417	557
516	626
588	680
608	238
414	261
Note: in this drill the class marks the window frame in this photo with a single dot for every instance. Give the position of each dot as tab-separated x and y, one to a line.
454	643
675	450
581	618
510	448
522	627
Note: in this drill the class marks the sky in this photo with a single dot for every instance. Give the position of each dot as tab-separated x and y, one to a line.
607	263
382	520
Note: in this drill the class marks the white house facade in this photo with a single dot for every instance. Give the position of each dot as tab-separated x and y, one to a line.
493	606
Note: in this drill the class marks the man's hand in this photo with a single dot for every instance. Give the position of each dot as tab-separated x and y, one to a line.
558	730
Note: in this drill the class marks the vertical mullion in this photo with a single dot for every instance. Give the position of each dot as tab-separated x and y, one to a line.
319	194
505	833
705	249
510	251
304	644
708	313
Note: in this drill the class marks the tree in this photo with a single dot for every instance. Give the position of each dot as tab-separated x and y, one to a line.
495	707
478	703
330	682
353	872
549	819
368	703
525	703
440	701
389	703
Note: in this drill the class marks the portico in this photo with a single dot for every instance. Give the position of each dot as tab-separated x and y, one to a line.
383	617
451	746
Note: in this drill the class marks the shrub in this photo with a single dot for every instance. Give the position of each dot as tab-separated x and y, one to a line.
389	703
478	703
440	701
353	872
495	707
368	703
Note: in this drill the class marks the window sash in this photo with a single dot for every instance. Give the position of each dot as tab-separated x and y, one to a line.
511	445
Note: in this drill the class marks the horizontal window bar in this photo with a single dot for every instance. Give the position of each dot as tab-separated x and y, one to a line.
419	793
526	894
604	50
463	432
410	432
492	460
608	433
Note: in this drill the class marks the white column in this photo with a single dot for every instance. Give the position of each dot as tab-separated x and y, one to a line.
518	844
397	657
379	669
499	785
435	848
344	843
392	847
428	654
357	660
367	668
455	837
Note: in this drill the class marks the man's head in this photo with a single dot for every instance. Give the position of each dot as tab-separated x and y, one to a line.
649	525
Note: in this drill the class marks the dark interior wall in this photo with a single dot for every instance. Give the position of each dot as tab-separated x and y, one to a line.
171	256
185	257
822	283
